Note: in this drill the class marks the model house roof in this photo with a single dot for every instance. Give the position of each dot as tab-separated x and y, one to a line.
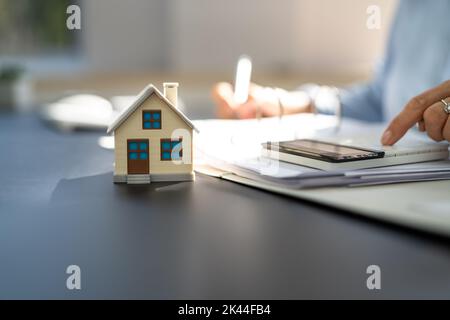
142	96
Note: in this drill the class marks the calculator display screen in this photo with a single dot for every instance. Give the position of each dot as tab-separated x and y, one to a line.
324	150
320	147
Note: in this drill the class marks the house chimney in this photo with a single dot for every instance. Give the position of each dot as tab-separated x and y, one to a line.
171	92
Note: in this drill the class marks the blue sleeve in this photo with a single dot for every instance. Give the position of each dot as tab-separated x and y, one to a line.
365	101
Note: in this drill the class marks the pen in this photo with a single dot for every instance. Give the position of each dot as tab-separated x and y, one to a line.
242	80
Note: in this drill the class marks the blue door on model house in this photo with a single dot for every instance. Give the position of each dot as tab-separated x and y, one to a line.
138	156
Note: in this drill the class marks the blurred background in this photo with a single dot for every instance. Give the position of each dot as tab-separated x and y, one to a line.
124	45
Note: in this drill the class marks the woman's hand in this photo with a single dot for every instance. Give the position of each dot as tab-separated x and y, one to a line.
427	110
261	100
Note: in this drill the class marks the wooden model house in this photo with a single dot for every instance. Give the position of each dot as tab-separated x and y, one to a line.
153	139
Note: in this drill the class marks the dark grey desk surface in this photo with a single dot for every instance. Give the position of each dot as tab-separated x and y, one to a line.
208	239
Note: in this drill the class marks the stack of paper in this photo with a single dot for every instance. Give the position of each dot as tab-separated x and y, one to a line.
235	147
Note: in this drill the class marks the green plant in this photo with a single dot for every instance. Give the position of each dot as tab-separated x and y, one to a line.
10	73
40	26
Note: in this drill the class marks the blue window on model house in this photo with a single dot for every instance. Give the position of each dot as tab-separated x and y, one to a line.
151	119
171	149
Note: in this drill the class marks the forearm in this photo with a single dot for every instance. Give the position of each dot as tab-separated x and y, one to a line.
292	102
362	102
